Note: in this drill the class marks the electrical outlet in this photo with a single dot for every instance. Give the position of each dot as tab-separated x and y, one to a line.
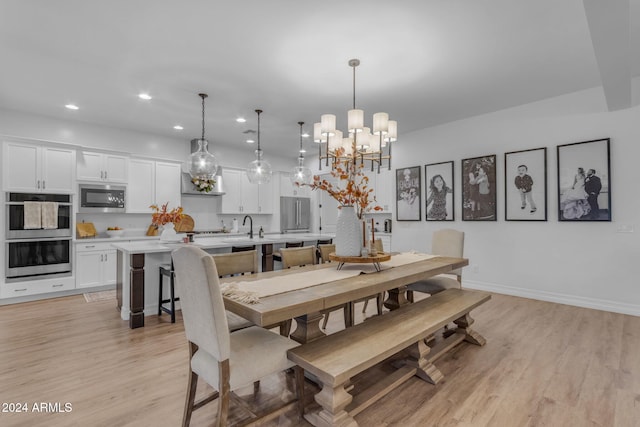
625	229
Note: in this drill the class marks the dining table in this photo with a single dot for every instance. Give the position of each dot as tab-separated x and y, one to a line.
306	302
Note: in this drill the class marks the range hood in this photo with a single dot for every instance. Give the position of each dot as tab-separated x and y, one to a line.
187	186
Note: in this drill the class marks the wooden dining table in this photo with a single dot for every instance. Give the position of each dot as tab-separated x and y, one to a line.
304	305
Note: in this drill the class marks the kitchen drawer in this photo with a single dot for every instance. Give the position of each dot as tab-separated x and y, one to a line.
94	246
19	289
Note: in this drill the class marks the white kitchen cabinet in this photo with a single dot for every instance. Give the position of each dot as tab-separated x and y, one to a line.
95	265
152	182
382	184
243	197
37	168
35	287
102	167
287	189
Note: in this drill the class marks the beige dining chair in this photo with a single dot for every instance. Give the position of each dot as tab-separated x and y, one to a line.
240	263
298	257
227	361
323	252
446	242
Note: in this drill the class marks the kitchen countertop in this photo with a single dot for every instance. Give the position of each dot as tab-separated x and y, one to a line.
224	241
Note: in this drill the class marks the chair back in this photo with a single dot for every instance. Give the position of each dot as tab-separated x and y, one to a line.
293	257
325	250
205	320
294	244
236	263
448	242
324	242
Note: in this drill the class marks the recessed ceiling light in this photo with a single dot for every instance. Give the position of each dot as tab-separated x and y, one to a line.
144	96
178	127
72	107
250	141
241	120
305	135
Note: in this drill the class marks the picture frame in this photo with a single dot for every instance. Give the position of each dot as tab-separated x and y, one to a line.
584	181
408	194
525	185
439	191
479	188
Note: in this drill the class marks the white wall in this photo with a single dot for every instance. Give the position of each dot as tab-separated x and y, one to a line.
588	264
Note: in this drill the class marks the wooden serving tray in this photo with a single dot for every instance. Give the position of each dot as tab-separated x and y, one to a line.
381	257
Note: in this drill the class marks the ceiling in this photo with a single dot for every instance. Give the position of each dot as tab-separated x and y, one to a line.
425	62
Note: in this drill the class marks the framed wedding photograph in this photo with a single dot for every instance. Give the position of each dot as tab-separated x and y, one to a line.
479	189
408	194
438	183
584	185
525	185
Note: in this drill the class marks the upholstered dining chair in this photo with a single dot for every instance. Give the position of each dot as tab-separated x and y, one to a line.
446	242
226	361
323	252
238	263
297	257
277	256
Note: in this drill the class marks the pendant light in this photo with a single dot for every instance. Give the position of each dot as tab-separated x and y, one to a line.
259	171
202	164
300	174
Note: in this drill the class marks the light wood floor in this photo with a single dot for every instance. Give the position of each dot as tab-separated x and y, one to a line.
544	365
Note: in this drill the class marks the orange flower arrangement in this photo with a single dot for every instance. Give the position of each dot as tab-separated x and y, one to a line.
160	215
356	191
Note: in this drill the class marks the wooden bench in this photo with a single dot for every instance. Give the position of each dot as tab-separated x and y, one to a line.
335	359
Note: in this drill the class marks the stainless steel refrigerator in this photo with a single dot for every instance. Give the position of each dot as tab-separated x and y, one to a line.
295	214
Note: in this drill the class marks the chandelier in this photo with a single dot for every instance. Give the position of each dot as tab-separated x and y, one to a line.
202	164
301	174
361	143
259	170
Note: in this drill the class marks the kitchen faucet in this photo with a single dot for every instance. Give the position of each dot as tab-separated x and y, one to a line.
250	225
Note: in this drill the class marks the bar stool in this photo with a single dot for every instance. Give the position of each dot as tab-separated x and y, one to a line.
235	249
167	270
278	257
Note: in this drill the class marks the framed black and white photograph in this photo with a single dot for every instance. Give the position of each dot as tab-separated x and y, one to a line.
525	185
479	189
584	186
439	191
408	191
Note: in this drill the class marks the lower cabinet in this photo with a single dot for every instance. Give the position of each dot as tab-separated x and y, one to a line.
95	265
35	287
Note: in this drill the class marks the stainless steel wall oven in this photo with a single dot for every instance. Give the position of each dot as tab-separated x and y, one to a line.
34	252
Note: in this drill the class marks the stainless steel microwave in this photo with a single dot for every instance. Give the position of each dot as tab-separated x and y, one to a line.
102	198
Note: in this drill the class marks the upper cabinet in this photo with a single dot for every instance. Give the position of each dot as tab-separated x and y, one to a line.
243	197
287	189
38	168
382	183
102	167
153	182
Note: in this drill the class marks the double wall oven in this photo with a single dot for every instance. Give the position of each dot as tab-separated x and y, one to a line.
37	252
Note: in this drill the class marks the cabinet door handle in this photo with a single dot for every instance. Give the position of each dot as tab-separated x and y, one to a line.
101	257
105	257
43	184
38	184
89	246
20	290
58	285
105	174
101	174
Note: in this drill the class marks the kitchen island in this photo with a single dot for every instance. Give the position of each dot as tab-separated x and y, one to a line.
139	261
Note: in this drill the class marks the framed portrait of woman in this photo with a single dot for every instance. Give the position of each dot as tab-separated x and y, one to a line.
439	191
408	191
525	185
479	188
584	184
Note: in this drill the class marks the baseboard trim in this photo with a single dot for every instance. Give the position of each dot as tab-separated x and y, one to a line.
578	301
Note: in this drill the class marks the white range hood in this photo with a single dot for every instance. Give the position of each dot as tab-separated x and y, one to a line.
188	188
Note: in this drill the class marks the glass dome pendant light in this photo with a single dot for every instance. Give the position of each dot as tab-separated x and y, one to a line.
300	174
259	171
202	164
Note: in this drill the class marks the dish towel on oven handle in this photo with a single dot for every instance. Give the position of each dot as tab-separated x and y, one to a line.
50	215
32	215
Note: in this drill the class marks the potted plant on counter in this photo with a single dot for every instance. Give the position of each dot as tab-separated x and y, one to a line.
166	219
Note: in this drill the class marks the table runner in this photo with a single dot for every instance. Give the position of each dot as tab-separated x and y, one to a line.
251	292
